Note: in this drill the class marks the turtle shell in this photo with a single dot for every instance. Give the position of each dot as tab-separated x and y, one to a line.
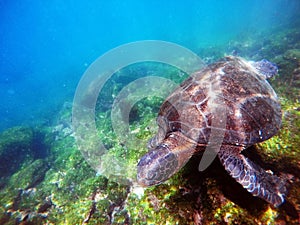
230	89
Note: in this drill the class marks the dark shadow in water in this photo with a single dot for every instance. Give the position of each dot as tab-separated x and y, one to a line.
18	154
39	147
283	168
233	190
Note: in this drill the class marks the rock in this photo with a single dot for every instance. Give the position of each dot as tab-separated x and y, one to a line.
15	148
18	146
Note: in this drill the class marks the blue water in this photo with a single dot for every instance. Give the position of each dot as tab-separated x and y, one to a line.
45	46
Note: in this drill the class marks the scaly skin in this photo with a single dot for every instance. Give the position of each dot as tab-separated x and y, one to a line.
252	177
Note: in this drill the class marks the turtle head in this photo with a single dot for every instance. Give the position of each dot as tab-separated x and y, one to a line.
156	166
265	68
160	163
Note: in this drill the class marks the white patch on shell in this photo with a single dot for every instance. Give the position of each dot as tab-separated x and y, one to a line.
214	93
259	133
221	72
238	114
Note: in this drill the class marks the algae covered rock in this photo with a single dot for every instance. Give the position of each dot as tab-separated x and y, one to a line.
293	54
15	148
20	145
21	195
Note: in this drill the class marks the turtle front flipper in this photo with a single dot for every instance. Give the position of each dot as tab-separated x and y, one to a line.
160	163
257	181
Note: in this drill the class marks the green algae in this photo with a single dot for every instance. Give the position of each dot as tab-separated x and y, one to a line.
15	149
155	206
57	189
232	214
286	142
128	148
16	135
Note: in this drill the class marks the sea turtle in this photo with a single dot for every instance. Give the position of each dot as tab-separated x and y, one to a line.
236	89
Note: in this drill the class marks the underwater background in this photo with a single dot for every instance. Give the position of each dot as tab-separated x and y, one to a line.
45	48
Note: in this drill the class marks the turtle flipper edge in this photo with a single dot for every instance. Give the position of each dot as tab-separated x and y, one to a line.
253	178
